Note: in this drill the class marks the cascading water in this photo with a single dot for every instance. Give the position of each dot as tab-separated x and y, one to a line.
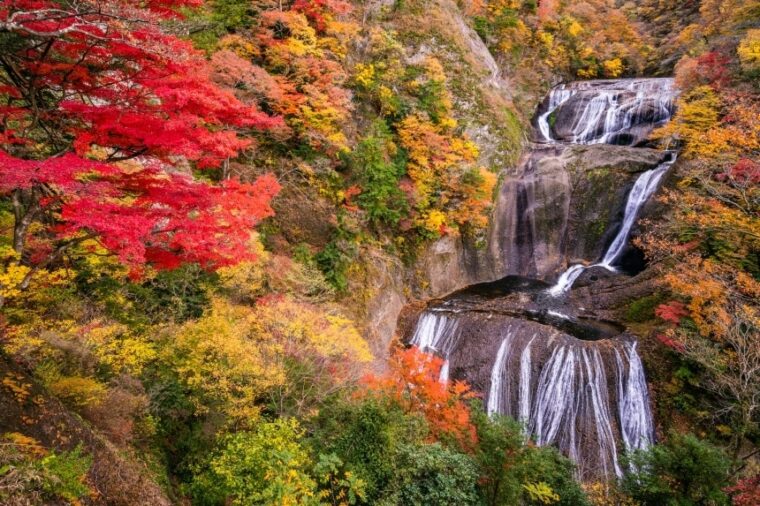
574	383
644	187
611	112
436	333
497	377
633	400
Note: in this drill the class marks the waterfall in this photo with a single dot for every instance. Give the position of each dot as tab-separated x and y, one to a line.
645	186
569	405
566	280
608	112
436	332
557	97
496	393
572	382
633	400
523	411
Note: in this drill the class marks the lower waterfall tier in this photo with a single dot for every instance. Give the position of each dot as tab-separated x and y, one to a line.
586	397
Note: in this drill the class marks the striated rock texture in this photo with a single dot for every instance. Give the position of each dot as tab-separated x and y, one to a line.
570	382
564	206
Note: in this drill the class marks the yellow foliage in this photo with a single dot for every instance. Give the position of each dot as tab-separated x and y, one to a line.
122	352
434	70
699	109
236	355
587	73
475	190
364	75
613	67
11	274
338	35
26	444
574	29
603	494
431	155
707	294
698	112
16	384
78	390
434	221
226	364
749	50
300	327
546	38
541	492
241	46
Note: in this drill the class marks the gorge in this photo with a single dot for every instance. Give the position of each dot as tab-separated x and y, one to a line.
535	353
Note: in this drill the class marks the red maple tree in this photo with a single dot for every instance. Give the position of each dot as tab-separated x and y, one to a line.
103	118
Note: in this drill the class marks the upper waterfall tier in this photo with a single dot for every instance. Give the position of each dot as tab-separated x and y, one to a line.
622	111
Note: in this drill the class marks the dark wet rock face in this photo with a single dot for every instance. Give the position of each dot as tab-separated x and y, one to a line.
587	395
541	342
562	206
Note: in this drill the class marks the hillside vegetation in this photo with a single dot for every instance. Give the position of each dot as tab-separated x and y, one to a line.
211	213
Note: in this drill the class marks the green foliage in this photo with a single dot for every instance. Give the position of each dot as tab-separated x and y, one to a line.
63	474
365	436
378	170
337	255
431	475
30	475
333	262
540	493
265	466
683	471
218	19
642	309
180	433
513	472
169	296
389	450
175	295
337	485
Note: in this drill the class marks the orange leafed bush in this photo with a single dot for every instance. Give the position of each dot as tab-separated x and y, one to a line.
413	382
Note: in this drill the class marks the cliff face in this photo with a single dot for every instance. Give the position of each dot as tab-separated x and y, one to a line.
562	207
555	206
483	106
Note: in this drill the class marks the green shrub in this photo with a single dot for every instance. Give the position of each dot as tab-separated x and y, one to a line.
378	172
265	466
64	472
642	310
513	472
431	475
366	436
30	476
683	471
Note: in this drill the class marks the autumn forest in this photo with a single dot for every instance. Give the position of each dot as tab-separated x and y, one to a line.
380	252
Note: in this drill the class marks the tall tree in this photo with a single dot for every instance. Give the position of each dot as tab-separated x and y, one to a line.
103	115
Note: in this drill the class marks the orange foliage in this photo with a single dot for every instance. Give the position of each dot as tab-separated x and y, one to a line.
413	382
546	9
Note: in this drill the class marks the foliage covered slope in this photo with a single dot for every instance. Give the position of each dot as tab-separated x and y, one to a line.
140	145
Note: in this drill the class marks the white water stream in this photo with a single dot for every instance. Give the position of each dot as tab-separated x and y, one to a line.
646	184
